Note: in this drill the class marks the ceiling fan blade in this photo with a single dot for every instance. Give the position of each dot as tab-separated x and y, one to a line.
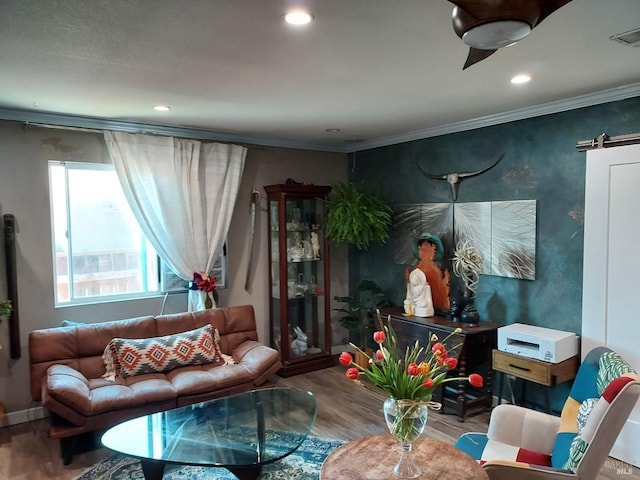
547	7
476	55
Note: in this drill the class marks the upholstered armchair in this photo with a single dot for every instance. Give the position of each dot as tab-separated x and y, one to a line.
530	445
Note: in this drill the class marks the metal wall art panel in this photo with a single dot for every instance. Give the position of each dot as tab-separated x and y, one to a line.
503	232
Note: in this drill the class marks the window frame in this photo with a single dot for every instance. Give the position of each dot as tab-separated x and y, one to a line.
165	276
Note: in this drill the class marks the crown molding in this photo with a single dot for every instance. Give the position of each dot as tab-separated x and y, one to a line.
94	123
588	100
97	124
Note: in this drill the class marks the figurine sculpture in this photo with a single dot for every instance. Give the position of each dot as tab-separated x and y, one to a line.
315	245
418	301
299	344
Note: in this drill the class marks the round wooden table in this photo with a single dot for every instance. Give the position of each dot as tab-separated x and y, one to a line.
373	458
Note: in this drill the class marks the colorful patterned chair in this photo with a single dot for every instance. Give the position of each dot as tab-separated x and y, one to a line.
526	444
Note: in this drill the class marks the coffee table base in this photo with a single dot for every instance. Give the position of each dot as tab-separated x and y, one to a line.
154	470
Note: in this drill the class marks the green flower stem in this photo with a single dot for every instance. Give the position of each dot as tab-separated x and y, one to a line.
405	427
390	374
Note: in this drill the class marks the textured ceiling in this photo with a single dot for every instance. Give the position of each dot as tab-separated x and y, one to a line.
380	71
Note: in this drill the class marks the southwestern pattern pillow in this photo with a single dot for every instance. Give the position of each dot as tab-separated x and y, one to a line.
126	357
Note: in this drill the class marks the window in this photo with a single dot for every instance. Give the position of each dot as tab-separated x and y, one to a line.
100	252
99	249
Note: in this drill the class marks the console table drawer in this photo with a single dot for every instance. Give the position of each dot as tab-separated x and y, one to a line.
537	371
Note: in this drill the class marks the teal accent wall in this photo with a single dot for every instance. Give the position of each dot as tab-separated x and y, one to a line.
541	163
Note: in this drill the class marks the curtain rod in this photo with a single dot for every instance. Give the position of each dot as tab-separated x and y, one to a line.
605	141
145	132
61	127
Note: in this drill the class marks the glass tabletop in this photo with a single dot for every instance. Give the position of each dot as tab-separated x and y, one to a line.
248	429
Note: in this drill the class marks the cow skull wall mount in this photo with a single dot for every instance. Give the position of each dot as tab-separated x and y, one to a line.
454	179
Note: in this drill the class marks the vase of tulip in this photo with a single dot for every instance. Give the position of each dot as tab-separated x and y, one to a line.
406	420
410	377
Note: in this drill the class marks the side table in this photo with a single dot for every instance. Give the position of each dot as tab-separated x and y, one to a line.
532	370
373	458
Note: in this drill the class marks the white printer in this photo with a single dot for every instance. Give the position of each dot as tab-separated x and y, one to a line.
537	342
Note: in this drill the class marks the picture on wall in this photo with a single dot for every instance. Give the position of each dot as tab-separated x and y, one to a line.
503	232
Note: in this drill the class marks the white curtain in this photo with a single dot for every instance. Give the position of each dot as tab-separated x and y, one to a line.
182	193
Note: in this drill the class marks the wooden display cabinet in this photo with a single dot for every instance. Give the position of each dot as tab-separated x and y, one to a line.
300	321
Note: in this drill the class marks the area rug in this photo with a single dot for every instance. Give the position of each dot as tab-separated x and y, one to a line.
303	464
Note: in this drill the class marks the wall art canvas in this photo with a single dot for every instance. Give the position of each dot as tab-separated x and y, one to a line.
503	232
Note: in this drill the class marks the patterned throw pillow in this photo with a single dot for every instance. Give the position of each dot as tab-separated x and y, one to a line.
126	357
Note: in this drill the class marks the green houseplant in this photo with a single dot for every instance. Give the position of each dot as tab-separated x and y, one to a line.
5	309
357	215
358	311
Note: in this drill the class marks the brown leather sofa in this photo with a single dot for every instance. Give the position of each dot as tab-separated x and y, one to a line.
66	369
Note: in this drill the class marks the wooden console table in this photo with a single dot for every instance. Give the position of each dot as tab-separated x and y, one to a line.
373	458
474	355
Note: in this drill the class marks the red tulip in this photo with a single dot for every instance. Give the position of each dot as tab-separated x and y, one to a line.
476	380
428	382
379	355
352	373
438	349
379	336
451	363
345	359
413	369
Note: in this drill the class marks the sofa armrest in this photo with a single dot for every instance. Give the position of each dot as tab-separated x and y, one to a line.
69	387
524	428
258	359
505	470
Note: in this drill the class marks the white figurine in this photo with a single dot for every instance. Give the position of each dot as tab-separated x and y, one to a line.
299	345
418	301
315	244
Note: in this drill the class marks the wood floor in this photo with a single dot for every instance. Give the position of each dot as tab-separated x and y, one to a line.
346	411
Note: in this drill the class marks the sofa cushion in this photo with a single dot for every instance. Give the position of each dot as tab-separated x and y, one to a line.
126	357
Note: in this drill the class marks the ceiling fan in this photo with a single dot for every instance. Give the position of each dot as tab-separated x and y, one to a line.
487	25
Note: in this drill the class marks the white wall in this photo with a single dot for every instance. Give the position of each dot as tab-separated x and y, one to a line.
24	192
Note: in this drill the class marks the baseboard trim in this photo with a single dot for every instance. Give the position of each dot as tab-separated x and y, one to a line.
23	416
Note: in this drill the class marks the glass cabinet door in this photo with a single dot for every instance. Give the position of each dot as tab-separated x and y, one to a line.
300	317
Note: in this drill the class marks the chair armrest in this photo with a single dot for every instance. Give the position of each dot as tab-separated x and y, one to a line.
505	470
524	428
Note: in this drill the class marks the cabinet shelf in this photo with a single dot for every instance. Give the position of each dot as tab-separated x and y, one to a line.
300	322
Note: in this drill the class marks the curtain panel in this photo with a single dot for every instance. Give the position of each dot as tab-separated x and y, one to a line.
182	192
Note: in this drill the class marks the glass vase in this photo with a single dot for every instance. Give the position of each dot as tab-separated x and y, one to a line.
406	420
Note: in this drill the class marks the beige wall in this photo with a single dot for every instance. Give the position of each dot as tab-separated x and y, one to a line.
24	192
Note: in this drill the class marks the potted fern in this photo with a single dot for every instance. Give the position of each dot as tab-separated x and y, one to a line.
357	215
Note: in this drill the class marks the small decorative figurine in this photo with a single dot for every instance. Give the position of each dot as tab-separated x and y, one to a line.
418	301
299	344
315	245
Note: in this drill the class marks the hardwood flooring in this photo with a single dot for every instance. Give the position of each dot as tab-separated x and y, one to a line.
346	411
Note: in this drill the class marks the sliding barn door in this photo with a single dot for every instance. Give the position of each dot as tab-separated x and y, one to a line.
611	282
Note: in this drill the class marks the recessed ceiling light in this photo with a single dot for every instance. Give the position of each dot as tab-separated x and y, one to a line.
161	108
298	17
522	78
332	130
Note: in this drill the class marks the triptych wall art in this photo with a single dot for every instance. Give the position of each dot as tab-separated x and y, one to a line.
503	232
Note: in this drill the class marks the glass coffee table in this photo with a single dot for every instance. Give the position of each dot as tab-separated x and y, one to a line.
240	432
